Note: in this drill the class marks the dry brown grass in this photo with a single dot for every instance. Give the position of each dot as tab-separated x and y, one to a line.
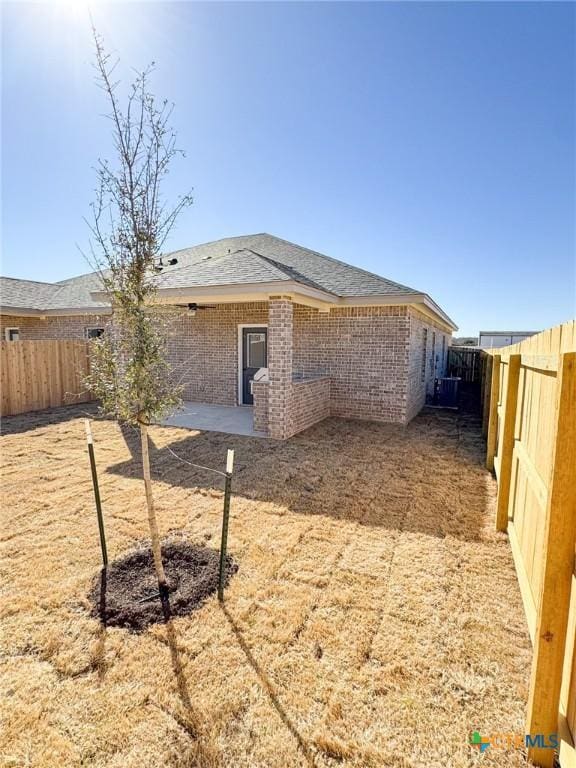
374	621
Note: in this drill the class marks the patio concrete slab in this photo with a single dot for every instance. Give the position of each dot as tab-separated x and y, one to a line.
233	420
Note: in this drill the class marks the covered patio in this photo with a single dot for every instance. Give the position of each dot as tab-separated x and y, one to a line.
249	367
230	419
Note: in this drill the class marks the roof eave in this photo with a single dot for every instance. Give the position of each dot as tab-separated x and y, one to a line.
431	304
53	312
401	299
5	309
247	292
241	292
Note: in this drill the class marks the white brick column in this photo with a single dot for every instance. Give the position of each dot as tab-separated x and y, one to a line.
280	332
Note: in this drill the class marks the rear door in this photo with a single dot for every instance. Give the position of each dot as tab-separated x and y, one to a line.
254	357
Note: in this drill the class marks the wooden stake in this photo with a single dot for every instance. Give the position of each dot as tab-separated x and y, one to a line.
96	492
154	535
558	566
507	443
225	518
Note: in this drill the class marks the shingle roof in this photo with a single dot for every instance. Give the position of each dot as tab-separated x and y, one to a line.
309	267
70	294
260	258
26	293
238	267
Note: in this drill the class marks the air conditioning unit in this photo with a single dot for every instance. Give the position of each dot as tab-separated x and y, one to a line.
446	392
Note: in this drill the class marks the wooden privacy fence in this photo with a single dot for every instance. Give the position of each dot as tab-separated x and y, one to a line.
465	363
529	395
42	374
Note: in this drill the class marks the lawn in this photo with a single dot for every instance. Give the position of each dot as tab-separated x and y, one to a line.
375	619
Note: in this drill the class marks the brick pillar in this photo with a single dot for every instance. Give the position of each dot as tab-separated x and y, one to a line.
280	322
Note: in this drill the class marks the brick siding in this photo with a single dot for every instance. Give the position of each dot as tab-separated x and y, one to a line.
260	412
280	340
203	350
372	357
364	351
310	403
65	327
307	402
428	361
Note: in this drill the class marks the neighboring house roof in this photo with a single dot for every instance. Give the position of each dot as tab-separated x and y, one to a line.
248	260
26	293
68	295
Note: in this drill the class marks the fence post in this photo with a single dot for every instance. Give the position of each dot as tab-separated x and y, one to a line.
557	569
508	425
486	382
493	418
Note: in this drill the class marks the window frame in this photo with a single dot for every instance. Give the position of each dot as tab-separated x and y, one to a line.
8	331
424	360
88	329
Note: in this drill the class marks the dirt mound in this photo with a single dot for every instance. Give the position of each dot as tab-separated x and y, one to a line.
119	595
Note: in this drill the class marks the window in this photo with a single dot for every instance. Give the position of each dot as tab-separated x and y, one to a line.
443	361
256	350
424	345
94	333
433	354
12	334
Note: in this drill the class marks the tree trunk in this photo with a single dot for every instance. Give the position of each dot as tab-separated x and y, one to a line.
156	550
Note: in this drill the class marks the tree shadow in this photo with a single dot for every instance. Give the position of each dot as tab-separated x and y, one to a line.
190	719
27	422
269	688
190	722
428	477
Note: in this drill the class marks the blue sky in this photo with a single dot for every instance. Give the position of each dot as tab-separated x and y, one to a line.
431	143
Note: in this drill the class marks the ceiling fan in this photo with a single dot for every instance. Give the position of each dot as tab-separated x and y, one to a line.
193	307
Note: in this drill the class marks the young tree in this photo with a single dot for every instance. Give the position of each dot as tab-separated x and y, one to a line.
129	226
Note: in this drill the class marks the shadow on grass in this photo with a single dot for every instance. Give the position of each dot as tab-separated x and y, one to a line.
26	422
190	721
425	478
269	688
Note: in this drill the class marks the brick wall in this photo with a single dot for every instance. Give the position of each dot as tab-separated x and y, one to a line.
364	351
36	328
260	412
307	402
203	350
310	403
424	363
372	355
280	342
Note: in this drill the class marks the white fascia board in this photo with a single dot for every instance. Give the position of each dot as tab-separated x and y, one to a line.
431	304
301	294
19	311
29	312
238	293
401	299
77	311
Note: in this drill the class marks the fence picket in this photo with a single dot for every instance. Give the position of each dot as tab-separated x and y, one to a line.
507	442
531	441
557	570
38	374
493	409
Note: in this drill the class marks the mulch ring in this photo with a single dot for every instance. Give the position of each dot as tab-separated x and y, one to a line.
118	595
